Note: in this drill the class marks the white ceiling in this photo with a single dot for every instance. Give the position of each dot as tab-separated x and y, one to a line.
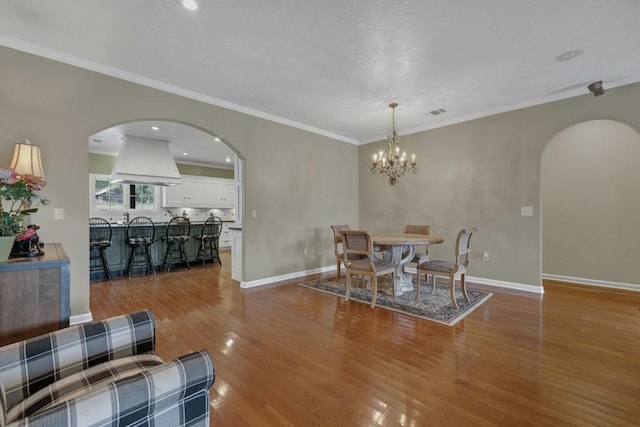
333	66
187	144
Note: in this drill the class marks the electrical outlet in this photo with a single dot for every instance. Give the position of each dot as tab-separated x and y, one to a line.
486	256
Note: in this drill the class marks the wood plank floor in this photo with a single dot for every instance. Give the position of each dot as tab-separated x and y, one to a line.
290	356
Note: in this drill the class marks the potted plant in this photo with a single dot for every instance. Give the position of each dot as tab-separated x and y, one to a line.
18	197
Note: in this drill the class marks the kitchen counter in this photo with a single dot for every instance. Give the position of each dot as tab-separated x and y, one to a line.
164	223
118	252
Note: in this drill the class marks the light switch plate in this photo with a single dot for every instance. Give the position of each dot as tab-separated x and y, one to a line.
526	211
58	213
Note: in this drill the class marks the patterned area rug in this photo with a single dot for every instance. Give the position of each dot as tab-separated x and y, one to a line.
435	307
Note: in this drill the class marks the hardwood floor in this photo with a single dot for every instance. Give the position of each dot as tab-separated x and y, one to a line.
290	356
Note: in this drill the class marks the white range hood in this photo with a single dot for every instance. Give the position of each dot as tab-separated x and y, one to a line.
145	161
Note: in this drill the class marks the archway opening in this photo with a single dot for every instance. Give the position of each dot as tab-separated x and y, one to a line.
590	202
206	162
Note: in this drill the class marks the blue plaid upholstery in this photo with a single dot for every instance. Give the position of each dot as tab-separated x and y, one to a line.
80	383
102	373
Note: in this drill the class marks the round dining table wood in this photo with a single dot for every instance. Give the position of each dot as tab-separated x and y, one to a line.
400	248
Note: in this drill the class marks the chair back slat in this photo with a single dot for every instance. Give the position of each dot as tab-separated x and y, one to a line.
463	242
141	227
357	242
99	230
178	226
417	229
212	227
337	237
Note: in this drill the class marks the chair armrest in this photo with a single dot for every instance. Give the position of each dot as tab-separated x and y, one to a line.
27	366
175	393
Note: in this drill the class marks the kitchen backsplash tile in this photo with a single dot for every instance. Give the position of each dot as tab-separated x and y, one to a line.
195	215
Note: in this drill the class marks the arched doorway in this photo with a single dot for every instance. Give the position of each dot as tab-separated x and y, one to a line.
590	202
205	160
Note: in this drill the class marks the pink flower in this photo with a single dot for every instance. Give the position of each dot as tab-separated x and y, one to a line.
8	176
35	183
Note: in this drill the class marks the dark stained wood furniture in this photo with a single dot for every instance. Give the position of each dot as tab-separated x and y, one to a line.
34	295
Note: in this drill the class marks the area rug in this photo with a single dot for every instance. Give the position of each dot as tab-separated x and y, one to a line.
435	307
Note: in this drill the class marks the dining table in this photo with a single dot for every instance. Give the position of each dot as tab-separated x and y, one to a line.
399	248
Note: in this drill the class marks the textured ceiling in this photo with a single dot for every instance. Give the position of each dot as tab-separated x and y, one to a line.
332	66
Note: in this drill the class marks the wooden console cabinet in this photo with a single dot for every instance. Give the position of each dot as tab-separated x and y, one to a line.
34	295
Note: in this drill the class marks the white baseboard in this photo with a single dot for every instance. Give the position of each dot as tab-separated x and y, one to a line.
507	285
591	282
270	280
80	318
478	280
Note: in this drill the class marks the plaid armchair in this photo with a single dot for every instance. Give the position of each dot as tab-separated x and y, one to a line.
102	373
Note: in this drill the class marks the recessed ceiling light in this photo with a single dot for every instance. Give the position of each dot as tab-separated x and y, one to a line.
569	55
155	128
216	139
190	4
185	154
228	159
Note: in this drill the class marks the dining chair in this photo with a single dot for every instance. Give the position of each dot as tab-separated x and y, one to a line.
357	243
451	270
419	257
338	247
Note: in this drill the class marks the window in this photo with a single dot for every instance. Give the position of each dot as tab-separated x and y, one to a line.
121	197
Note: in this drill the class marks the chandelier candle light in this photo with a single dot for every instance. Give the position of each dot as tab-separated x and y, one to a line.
393	164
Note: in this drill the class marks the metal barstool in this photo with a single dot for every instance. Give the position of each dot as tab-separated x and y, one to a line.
209	240
141	234
99	240
177	234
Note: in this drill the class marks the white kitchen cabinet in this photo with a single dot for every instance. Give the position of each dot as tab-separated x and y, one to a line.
173	196
225	236
200	192
221	194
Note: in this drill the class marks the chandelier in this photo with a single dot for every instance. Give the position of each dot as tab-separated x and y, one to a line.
393	164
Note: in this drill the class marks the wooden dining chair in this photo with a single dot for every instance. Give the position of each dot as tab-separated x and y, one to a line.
419	257
338	247
358	259
451	270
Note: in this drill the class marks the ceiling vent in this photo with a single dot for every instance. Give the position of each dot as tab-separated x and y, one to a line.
145	161
438	111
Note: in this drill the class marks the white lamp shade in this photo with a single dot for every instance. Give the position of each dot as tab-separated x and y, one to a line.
27	160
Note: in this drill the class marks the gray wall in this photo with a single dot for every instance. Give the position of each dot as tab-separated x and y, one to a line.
299	183
480	173
591	203
475	173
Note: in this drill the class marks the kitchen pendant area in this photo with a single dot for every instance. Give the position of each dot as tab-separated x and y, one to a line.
209	186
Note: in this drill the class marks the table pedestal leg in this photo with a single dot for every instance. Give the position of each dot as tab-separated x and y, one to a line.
404	281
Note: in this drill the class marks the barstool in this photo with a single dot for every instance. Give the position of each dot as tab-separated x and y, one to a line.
141	234
99	240
209	240
177	234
